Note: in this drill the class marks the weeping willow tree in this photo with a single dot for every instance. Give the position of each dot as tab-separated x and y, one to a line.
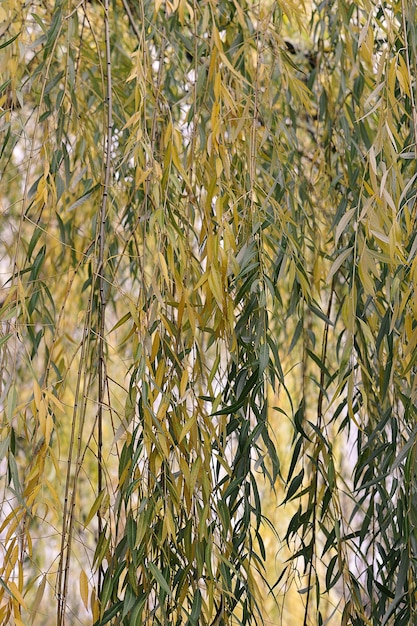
209	333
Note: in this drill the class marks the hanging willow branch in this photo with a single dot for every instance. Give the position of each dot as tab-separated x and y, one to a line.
101	267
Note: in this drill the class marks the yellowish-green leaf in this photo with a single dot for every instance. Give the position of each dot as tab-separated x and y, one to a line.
84	588
96	505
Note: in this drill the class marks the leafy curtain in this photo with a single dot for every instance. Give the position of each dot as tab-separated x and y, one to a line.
208	312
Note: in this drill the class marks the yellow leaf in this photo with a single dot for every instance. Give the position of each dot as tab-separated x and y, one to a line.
169	524
49	424
164	268
95	507
133	119
343	223
59	405
95	606
37	394
403	77
215	284
17	620
339	262
194	474
219	167
191	319
202	280
29	547
217	41
157	6
373	169
84	588
141	175
38	598
155	346
184	382
162	410
217	86
186	428
17	595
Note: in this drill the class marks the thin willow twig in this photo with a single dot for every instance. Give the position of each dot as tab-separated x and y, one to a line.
101	263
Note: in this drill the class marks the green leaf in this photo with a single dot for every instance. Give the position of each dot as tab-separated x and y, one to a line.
9	41
157	574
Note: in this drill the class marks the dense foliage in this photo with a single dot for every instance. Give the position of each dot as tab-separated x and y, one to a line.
209	260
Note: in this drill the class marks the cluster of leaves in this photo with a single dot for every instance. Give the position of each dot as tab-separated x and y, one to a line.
147	212
355	524
209	205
